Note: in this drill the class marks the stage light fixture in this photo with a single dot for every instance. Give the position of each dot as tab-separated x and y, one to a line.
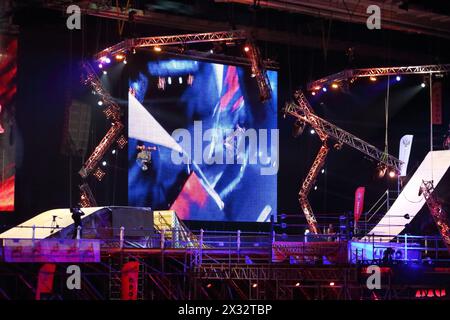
324	89
100	65
335	86
209	285
157	48
120	57
180	80
254	285
423	85
125	61
315	187
100	102
381	170
392	174
323	171
246	48
312	131
313	93
114	151
332	284
107	60
297	284
105	72
104	163
373	78
398	78
211	51
169	80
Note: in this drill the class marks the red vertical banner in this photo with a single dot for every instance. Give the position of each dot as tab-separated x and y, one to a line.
130	275
45	279
436	100
359	203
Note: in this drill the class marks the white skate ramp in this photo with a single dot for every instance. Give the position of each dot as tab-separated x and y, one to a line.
433	167
63	219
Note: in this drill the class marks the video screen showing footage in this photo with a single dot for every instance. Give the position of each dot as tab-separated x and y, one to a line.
201	142
8	88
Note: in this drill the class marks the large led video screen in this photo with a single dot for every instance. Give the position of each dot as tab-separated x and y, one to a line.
201	142
8	73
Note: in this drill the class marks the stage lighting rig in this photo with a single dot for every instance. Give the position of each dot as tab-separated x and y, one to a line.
303	112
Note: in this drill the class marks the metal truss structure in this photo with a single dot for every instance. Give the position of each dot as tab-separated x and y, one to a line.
86	197
437	211
183	39
257	64
304	113
112	112
376	72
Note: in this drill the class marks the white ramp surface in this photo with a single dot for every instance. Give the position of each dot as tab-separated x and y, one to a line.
63	219
433	167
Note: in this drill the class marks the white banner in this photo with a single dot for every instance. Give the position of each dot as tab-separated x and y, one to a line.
404	152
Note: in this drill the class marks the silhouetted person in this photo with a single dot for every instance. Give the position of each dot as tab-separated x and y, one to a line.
76	217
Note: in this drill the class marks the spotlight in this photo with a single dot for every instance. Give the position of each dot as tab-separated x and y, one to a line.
105	72
157	48
297	284
324	89
125	61
423	85
373	78
119	57
313	93
335	86
100	102
381	170
398	78
209	285
169	80
114	151
107	60
312	131
392	174
331	284
317	88
246	48
211	51
323	171
104	163
315	187
254	285
100	65
180	80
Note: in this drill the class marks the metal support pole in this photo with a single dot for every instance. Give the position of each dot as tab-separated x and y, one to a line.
33	234
431	111
122	236
162	239
406	247
238	243
78	232
201	247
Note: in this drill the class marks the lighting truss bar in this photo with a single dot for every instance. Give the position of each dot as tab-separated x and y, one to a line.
437	211
259	71
183	39
112	112
101	149
87	198
307	185
302	110
376	72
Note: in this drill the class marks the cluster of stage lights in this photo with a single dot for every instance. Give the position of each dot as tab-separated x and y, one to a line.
337	85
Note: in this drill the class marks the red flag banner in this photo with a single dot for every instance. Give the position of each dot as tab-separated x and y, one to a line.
359	203
130	275
45	279
437	103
